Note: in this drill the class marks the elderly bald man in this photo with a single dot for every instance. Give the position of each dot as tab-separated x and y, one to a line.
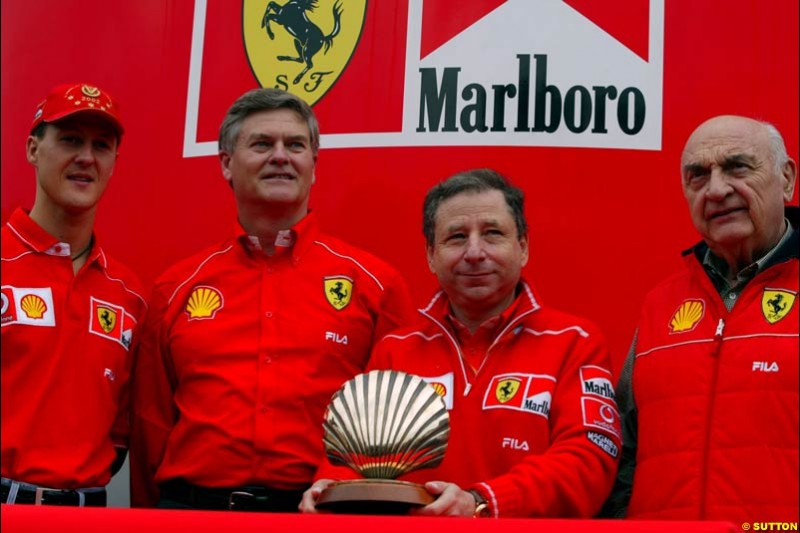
709	392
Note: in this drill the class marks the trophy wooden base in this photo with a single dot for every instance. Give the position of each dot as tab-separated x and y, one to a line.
373	496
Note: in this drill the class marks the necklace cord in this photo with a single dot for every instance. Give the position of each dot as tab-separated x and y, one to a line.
85	250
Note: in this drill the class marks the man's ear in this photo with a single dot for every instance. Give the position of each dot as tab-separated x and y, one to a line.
225	164
32	149
429	253
789	174
523	242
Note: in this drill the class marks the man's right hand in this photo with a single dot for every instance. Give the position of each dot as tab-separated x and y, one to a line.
309	502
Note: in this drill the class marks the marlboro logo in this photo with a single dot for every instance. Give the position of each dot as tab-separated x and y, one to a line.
495	75
597	381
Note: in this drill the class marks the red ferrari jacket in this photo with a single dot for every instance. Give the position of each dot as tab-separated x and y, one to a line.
717	398
536	428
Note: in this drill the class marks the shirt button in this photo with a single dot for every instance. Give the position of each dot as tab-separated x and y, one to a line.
268	314
732	296
268	359
263	408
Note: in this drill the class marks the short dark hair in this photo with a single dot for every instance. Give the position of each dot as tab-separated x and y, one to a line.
476	180
264	100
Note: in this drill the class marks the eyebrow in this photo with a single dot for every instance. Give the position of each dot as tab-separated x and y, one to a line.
725	163
297	137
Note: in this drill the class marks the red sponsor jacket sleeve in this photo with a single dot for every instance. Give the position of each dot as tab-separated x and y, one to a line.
396	308
574	476
153	410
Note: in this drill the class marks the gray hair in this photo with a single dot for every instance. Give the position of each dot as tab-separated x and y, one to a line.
264	100
477	180
777	146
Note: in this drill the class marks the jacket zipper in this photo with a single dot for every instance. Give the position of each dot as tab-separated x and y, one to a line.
718	338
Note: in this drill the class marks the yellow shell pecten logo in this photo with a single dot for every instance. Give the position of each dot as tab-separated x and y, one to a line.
204	302
440	389
687	316
507	389
301	46
33	306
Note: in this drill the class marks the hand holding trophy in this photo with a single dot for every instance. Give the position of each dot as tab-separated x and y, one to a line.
383	424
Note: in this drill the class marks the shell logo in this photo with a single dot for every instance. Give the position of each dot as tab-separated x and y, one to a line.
33	306
687	316
440	389
204	302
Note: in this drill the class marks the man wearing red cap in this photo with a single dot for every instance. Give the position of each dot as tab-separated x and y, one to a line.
70	314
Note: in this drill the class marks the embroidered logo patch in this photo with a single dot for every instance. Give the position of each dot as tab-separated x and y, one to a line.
111	322
338	290
29	306
203	302
443	385
106	317
531	393
600	414
776	303
597	381
506	389
687	316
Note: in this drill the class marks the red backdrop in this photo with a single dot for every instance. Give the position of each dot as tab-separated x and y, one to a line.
606	224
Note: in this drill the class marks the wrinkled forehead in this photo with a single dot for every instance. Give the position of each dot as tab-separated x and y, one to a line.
716	140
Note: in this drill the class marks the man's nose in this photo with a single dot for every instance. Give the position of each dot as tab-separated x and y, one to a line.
718	185
475	250
85	154
279	153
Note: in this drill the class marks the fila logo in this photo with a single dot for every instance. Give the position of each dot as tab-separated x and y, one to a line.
763	366
514	444
335	337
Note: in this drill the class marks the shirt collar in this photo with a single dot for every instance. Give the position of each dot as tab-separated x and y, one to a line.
491	326
298	238
37	239
719	268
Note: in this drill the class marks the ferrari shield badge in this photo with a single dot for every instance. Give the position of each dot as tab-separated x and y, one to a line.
776	304
338	291
301	46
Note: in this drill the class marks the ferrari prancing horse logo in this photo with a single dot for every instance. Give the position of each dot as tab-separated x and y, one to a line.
338	291
507	389
107	318
301	46
776	304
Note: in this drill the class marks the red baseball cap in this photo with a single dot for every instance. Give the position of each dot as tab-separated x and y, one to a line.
68	99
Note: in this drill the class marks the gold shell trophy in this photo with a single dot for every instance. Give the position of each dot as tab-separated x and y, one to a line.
382	425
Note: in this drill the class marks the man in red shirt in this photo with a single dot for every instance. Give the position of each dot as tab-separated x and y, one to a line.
70	314
534	429
248	340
